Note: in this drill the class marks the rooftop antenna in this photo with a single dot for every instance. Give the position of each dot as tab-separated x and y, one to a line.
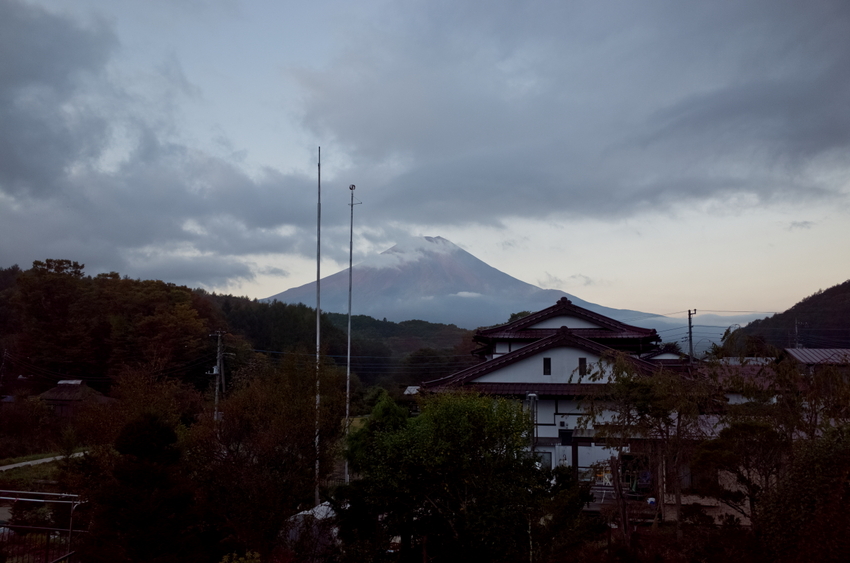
318	317
348	361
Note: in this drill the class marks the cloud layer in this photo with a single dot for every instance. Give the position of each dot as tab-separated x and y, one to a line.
484	112
450	114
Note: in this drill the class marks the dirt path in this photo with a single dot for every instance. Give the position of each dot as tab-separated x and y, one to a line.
37	461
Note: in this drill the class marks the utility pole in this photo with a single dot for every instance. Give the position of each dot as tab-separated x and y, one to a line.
2	365
348	360
218	372
691	336
796	334
532	407
318	316
220	360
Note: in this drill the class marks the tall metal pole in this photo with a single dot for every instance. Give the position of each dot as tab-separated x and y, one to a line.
348	360
318	317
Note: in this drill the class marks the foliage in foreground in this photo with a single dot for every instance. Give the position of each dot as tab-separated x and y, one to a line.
208	487
455	482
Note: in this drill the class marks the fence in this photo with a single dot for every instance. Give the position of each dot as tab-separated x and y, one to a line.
34	544
27	539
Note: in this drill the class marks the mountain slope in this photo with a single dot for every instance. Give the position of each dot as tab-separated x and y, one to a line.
821	320
432	279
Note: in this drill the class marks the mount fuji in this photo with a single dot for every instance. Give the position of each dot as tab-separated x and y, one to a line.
432	279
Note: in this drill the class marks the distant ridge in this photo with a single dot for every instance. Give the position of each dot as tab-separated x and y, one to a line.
432	279
821	320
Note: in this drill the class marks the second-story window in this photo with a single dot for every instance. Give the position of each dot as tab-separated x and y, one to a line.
582	366
547	366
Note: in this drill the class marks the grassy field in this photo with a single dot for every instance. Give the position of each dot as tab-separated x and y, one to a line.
30	477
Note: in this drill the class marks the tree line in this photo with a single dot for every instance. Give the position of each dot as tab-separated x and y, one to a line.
821	320
56	323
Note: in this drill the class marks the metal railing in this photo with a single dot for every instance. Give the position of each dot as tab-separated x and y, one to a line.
35	544
21	542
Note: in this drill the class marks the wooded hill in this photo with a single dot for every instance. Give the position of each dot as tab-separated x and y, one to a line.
57	323
821	320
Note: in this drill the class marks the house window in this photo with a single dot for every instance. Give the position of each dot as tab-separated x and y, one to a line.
566	437
547	366
582	366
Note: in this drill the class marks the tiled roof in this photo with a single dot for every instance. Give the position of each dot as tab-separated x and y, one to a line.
538	333
562	337
72	391
732	375
565	306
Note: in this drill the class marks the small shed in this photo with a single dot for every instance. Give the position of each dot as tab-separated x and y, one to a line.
69	394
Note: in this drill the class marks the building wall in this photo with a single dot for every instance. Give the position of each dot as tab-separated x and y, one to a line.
508	346
558	414
555	415
567	321
564	364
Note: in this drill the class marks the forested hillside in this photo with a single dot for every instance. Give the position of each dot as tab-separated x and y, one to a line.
57	323
821	320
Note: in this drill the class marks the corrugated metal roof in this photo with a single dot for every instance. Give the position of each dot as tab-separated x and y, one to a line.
810	356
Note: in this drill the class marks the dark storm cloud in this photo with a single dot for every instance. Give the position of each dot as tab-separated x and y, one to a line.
475	113
43	59
194	271
162	209
443	112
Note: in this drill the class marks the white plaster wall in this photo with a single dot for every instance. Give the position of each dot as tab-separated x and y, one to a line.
568	411
530	370
567	321
501	348
546	416
551	411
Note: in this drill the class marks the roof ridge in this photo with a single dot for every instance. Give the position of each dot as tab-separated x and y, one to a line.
564	305
561	336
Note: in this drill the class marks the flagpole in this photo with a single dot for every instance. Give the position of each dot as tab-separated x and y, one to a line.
348	361
318	317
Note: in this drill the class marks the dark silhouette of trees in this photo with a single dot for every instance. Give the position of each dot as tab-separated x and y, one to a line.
255	467
817	321
143	507
664	409
804	518
62	324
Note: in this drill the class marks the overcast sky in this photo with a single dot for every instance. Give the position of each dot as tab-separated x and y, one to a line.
649	155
